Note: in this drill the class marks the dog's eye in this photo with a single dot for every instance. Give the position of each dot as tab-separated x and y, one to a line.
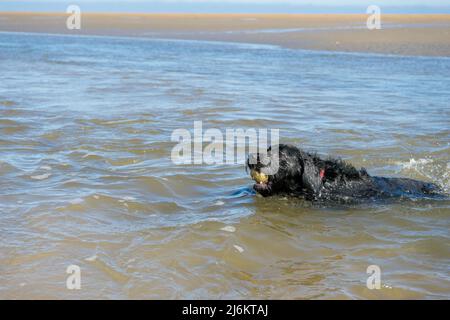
264	159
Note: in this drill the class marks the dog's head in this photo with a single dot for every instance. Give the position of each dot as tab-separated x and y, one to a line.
284	169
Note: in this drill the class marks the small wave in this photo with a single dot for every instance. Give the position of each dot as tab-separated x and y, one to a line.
242	192
5	168
114	122
108	268
8	103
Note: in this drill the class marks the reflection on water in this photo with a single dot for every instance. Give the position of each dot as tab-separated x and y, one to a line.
86	176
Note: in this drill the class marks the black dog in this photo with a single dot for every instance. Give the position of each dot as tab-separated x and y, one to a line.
300	173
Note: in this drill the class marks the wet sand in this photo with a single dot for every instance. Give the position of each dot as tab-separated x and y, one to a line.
400	34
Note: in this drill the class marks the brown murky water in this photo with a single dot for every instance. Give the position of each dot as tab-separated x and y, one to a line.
86	176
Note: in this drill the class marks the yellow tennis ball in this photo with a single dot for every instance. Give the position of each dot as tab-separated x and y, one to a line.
259	176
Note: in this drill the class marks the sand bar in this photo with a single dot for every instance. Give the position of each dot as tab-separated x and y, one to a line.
427	35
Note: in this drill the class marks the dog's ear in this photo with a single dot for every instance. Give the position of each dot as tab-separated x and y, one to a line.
311	177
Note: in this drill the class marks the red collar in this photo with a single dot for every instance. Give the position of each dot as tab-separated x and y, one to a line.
322	173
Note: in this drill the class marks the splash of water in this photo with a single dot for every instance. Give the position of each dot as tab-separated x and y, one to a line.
436	171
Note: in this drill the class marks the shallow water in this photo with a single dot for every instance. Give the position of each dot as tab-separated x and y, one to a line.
86	176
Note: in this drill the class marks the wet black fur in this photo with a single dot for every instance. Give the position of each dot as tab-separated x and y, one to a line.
299	175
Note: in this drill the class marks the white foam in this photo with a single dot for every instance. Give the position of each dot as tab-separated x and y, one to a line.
76	201
92	258
414	164
41	176
228	229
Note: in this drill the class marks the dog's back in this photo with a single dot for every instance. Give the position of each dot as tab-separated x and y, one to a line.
405	186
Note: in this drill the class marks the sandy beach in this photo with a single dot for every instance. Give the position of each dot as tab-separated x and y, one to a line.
400	34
